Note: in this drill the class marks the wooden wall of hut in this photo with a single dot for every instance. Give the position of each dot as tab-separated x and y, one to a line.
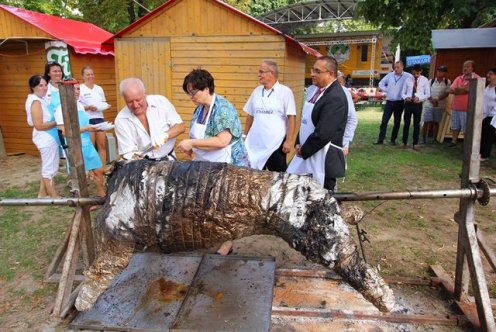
485	58
190	34
21	59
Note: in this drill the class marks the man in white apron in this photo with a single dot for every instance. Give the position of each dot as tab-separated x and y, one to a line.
323	121
146	121
271	121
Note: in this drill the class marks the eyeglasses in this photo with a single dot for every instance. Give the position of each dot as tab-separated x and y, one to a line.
192	93
318	71
263	71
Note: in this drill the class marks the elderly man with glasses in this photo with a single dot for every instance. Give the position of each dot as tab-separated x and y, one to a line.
270	124
319	144
146	122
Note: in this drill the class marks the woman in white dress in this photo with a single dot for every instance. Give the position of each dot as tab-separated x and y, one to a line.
44	133
94	102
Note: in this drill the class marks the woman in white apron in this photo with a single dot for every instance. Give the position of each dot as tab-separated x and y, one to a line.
44	133
215	129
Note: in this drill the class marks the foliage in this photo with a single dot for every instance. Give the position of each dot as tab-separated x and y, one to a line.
414	20
62	8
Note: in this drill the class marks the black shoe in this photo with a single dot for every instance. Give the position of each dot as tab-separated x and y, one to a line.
393	142
452	145
378	143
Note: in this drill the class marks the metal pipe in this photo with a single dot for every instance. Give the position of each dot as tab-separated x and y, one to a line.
370	196
51	201
418	194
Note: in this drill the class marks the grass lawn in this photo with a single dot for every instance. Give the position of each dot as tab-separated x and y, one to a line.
405	236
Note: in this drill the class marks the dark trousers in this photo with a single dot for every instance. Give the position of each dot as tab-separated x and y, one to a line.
391	108
330	183
487	137
416	111
277	160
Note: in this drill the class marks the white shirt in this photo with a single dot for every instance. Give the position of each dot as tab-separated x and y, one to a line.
393	84
438	89
132	135
489	102
423	88
48	97
94	97
352	119
41	138
279	92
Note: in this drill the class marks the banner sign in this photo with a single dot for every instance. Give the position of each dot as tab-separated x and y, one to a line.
418	60
57	51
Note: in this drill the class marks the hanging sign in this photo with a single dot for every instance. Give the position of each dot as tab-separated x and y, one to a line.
57	51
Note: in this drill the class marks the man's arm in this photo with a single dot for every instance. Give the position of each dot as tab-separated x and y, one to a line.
286	147
382	83
248	123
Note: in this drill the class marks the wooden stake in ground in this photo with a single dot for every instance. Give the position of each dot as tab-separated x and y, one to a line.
468	254
81	236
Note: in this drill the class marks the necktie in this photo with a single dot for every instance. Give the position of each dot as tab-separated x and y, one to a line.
414	88
315	96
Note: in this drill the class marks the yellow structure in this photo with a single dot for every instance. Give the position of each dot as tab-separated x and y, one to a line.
358	54
23	35
166	44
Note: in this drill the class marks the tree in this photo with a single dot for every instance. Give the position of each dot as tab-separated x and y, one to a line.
412	21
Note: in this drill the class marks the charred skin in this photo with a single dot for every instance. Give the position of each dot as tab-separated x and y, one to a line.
178	206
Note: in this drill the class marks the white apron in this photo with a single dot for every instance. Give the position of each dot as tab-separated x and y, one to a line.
197	131
314	165
267	131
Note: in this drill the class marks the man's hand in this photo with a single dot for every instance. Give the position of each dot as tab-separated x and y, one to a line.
160	140
185	146
286	147
345	150
298	150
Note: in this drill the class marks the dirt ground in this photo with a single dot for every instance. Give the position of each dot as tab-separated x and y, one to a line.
392	249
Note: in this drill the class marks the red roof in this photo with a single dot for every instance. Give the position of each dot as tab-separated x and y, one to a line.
150	15
85	38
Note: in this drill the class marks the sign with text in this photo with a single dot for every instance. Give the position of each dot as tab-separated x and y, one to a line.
57	51
418	60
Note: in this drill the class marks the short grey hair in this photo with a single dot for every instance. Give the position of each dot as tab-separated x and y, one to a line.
273	66
131	81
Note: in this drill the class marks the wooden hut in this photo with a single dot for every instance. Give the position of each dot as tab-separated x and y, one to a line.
455	46
180	35
23	34
359	54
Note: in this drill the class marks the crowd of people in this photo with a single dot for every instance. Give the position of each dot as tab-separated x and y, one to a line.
150	125
413	94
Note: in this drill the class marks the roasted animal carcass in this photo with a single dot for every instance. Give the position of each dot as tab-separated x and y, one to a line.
179	206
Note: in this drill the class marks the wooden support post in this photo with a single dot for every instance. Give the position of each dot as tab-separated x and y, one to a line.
468	248
81	235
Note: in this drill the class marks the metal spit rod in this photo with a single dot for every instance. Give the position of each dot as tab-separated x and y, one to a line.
472	192
72	201
415	194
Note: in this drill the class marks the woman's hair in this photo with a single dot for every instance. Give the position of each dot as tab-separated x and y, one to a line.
492	70
84	68
34	81
48	66
199	80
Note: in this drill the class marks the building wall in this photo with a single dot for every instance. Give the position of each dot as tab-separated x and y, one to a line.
197	18
485	58
354	63
15	69
12	26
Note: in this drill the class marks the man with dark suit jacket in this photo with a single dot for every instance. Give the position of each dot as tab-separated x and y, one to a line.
323	121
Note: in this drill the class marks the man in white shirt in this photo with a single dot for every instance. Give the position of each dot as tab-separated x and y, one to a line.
271	121
146	121
436	103
415	91
392	84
